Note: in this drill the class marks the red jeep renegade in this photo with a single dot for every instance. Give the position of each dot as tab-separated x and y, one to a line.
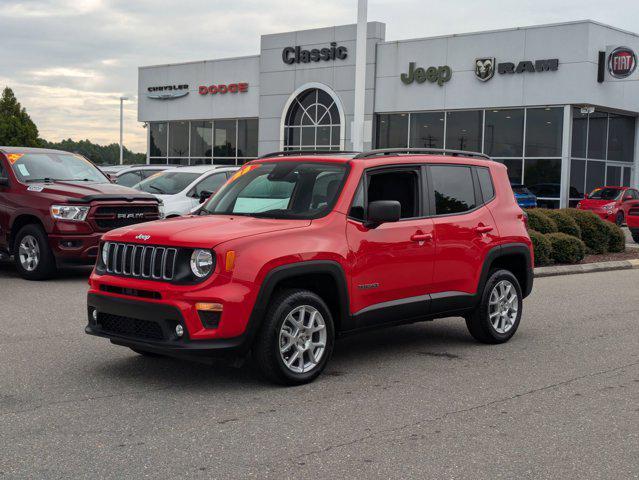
55	206
297	248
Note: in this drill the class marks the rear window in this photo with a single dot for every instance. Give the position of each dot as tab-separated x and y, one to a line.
40	167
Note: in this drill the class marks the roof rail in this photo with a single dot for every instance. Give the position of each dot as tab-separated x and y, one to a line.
291	153
412	151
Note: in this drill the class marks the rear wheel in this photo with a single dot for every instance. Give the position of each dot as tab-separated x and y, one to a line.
619	219
32	255
296	338
497	317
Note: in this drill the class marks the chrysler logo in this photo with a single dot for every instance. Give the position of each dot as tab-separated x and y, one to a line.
143	237
484	68
167	92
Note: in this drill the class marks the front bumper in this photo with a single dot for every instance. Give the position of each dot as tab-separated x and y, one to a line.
151	327
75	249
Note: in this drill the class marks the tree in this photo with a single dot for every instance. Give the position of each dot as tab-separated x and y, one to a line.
99	154
16	127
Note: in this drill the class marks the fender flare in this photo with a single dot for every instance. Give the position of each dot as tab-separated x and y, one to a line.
519	249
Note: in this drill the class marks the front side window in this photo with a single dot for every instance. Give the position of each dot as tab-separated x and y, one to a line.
398	185
167	183
453	188
38	167
283	190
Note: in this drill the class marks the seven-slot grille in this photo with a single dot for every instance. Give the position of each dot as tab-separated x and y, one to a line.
142	261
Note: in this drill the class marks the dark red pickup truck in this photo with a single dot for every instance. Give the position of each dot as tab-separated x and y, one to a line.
55	206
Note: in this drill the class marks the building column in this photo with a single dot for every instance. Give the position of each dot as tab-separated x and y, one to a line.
566	147
148	142
635	177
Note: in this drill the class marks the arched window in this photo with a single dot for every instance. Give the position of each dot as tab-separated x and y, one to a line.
312	122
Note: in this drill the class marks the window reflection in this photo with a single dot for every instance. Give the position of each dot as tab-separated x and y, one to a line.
158	139
597	129
621	138
179	139
544	127
543	176
463	130
201	139
392	130
427	130
504	133
577	178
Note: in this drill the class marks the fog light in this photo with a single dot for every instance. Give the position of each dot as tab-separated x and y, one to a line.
94	315
179	330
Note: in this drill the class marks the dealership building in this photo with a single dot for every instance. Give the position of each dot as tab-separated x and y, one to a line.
557	104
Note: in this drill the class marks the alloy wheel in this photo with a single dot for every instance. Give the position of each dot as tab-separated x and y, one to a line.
29	253
302	339
503	306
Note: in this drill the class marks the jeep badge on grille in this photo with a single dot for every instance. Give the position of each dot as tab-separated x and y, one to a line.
143	237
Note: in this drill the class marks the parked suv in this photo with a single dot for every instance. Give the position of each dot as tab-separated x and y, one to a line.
297	248
55	206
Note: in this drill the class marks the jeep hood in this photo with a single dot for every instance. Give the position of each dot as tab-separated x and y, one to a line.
200	231
85	192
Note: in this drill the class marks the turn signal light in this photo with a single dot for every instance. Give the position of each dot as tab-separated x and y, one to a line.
209	307
230	260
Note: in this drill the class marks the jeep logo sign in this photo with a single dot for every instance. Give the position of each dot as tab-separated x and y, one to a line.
439	75
622	61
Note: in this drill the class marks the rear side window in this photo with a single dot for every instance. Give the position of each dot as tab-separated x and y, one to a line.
486	184
453	188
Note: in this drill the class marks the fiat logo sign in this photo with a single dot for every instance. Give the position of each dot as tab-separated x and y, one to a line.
622	61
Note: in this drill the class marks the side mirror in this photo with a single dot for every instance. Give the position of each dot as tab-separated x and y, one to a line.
204	195
383	211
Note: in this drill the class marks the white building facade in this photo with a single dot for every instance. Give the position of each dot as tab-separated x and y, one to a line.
556	103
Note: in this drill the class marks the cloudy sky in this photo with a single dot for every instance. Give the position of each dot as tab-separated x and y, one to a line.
70	60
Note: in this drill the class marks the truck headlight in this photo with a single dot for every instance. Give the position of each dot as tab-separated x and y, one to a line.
69	212
202	263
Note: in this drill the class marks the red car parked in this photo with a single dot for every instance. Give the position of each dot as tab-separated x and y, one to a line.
55	206
633	222
296	248
611	203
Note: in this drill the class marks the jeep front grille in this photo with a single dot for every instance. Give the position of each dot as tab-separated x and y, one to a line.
140	261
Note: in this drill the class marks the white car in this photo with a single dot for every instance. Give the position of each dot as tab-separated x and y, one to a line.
185	188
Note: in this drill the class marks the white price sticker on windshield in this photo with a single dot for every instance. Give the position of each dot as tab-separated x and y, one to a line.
23	169
35	188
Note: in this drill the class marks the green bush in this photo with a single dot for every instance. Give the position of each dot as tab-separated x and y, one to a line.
565	223
542	248
540	222
616	238
594	232
566	248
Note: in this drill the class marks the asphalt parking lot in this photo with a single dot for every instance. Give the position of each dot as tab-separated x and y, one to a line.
561	400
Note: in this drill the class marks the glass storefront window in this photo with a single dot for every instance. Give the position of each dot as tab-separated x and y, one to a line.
579	133
621	138
224	138
179	139
544	127
247	138
463	130
595	175
201	139
392	130
627	173
515	170
158	139
504	133
543	176
597	131
613	175
427	130
577	178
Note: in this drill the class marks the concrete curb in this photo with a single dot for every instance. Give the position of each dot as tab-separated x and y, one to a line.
586	268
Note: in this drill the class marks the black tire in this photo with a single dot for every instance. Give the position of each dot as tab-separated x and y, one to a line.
266	350
635	237
46	266
619	219
144	353
478	322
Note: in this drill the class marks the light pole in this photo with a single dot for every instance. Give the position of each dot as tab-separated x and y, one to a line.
122	99
357	134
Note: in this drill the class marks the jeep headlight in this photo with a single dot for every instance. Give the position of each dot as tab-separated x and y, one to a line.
105	253
69	212
202	262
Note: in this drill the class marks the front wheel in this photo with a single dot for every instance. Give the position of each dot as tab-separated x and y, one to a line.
497	317
296	338
32	255
619	218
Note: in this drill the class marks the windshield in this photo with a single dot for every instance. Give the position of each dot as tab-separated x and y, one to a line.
279	190
41	167
167	183
604	194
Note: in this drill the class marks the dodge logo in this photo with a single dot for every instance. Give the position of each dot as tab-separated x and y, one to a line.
484	68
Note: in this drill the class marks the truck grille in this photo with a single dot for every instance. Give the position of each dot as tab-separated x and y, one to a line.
141	261
110	217
130	327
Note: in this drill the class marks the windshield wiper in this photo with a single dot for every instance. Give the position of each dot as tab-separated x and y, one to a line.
45	180
276	213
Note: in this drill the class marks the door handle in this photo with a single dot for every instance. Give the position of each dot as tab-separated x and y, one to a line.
484	229
422	237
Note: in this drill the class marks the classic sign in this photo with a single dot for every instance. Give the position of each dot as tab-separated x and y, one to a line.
291	55
439	75
622	61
